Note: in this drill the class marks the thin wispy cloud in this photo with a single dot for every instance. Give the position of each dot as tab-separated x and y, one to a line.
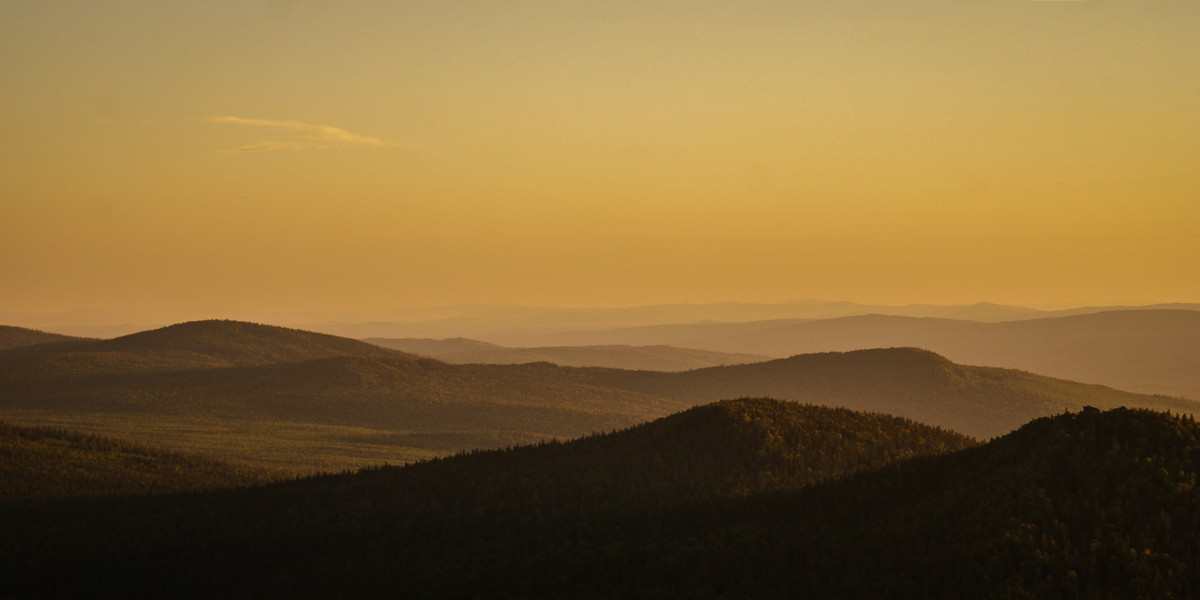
295	135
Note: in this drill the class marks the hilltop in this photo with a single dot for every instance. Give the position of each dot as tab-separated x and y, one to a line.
191	345
1089	504
648	358
240	343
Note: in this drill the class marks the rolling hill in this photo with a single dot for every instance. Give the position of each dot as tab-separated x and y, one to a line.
288	399
16	337
980	401
1154	351
371	405
649	358
191	345
1089	504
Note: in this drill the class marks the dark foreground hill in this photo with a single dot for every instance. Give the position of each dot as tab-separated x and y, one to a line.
650	358
726	450
1087	505
43	463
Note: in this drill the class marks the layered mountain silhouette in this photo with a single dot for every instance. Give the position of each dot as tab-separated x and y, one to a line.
746	498
1153	351
914	383
549	326
528	326
201	383
651	358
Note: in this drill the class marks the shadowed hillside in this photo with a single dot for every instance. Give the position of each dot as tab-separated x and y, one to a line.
44	463
1088	505
650	358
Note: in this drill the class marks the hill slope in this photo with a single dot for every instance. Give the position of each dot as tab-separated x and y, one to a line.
1079	505
16	337
650	358
725	449
339	412
43	463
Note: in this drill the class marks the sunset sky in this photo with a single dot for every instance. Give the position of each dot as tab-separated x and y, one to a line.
363	155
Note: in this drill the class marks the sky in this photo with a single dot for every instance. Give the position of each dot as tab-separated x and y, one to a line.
299	156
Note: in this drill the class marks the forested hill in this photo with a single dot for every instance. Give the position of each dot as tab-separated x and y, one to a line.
242	344
1088	505
191	345
315	402
980	401
16	337
40	463
724	449
1083	505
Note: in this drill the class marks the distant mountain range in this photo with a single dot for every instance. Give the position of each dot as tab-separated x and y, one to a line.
653	358
1150	351
290	399
522	325
526	326
547	326
748	498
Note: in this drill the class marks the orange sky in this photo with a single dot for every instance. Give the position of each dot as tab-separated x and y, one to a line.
303	156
